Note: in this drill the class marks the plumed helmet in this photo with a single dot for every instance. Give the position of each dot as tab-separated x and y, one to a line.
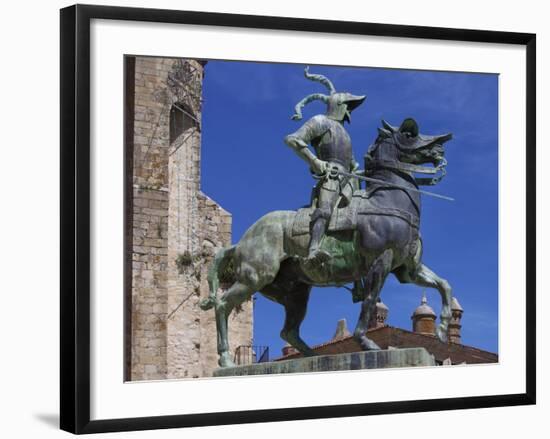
339	105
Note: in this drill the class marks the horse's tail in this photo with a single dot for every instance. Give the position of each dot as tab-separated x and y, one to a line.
222	258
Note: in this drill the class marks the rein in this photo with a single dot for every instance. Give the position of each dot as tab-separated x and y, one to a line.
375	164
385	183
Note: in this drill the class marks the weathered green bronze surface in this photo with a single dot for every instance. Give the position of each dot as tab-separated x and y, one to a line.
382	359
353	235
332	144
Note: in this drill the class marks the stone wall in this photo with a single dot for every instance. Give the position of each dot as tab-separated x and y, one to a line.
149	275
150	222
176	229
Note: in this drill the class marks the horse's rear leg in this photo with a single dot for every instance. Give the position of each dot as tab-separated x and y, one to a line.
425	277
374	282
237	294
295	303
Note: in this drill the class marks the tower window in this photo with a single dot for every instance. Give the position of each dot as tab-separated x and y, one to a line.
181	119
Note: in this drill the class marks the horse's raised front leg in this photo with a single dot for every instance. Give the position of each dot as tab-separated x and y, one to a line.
295	303
427	278
373	283
236	295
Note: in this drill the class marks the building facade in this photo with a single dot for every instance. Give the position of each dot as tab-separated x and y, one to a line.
172	229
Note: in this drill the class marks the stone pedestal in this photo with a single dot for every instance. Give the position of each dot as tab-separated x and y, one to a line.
410	357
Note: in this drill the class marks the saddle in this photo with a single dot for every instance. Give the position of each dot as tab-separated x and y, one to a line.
345	218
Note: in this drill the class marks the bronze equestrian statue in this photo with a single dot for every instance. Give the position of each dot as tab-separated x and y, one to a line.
373	233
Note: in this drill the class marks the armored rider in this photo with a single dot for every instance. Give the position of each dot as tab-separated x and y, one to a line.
333	153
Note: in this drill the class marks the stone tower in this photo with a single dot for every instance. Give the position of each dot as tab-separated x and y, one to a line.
455	324
423	318
172	229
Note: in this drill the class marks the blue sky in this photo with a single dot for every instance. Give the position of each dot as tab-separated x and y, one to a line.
247	168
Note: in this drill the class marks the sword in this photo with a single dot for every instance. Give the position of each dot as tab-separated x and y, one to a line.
335	171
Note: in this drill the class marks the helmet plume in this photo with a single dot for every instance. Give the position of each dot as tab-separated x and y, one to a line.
310	98
320	78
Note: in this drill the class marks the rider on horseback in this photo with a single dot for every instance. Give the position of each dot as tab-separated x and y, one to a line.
332	144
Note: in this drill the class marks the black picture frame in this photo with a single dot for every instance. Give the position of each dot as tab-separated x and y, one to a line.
75	217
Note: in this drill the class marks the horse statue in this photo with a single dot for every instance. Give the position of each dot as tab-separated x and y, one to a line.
376	234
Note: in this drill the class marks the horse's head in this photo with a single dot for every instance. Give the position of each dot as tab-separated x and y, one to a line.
403	148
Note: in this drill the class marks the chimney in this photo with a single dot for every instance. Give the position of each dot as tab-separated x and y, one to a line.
423	318
455	324
289	350
341	330
380	315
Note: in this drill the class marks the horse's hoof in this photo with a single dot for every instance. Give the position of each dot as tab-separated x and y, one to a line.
207	303
309	353
442	335
368	345
226	361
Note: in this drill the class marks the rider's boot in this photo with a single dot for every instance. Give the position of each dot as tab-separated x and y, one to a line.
317	255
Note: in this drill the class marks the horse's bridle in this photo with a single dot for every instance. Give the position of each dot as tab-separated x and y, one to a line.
374	164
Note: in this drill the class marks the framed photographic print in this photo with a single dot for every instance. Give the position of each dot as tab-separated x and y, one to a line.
257	207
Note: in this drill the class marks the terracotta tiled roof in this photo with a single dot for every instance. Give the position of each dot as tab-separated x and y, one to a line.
387	336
